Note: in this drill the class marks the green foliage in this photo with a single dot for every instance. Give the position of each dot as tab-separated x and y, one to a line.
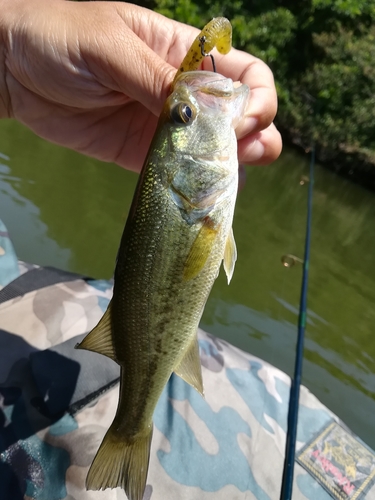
322	53
181	10
342	82
350	8
266	35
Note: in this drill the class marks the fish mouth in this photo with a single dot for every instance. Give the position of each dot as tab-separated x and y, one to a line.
212	158
197	80
212	90
216	92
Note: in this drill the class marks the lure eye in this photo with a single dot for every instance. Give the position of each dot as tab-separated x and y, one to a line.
182	114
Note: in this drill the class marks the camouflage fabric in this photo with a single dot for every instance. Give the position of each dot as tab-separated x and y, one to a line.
55	408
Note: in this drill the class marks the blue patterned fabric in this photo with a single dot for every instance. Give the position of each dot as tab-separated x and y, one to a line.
229	445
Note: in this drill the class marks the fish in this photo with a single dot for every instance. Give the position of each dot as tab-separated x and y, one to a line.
178	232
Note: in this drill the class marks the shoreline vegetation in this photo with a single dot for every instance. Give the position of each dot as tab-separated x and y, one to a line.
322	54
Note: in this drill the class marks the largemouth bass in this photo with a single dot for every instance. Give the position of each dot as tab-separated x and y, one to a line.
178	232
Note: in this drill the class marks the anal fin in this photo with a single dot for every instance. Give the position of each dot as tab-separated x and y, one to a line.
190	369
230	255
100	338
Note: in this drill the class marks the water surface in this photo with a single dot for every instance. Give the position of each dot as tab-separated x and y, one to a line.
66	210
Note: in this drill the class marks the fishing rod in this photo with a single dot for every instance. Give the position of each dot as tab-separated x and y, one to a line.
291	438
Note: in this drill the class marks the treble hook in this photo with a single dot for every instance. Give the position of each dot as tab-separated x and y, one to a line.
202	40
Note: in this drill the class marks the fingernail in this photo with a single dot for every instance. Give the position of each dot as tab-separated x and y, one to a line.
250	152
257	151
250	122
246	126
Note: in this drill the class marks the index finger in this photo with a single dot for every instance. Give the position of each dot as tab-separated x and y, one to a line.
248	69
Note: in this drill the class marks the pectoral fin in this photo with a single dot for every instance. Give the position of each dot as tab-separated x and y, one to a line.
230	256
200	249
190	369
100	338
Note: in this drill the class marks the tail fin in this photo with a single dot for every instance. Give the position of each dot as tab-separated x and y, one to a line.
121	463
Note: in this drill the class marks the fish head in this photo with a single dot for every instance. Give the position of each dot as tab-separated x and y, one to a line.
202	112
198	142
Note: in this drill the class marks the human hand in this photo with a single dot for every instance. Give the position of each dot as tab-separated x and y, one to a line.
93	76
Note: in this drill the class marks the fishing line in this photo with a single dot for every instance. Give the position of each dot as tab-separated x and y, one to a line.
291	438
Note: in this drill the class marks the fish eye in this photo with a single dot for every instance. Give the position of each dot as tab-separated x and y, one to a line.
182	114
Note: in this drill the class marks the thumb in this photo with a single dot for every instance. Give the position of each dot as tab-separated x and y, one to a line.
120	60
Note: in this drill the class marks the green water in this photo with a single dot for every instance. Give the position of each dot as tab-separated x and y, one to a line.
65	210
